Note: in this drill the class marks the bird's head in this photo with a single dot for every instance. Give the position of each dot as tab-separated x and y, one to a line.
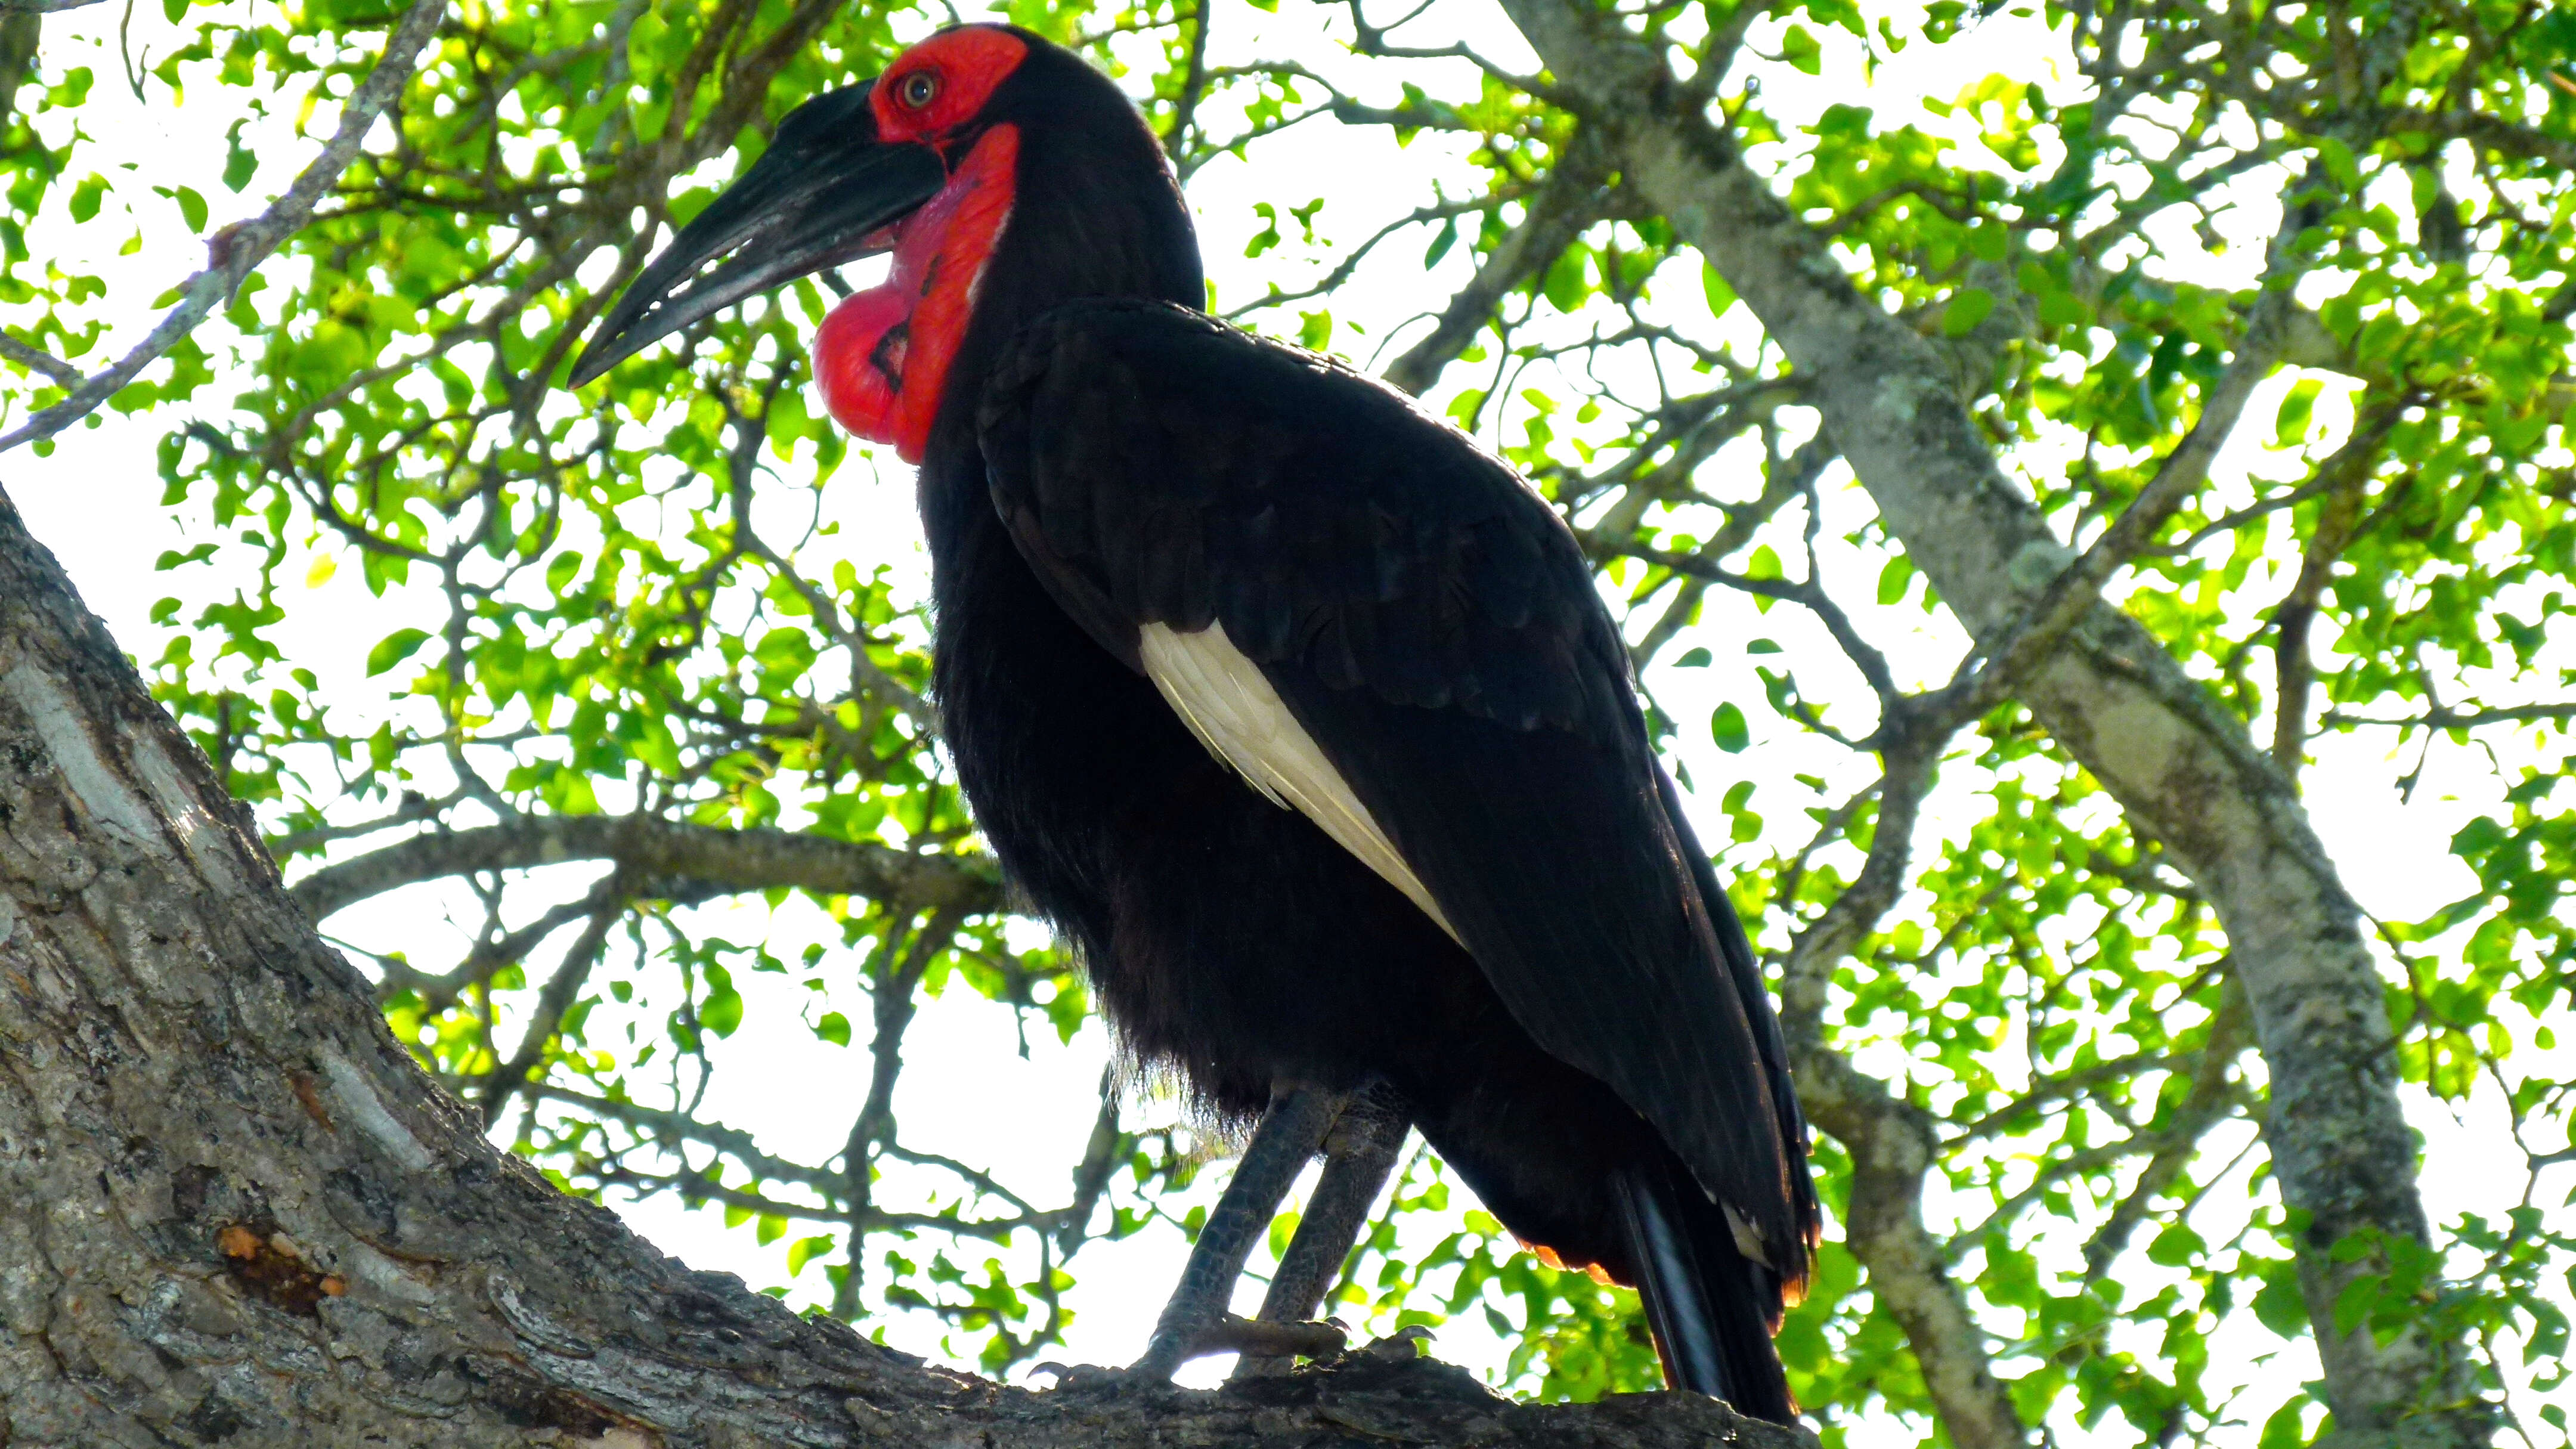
1002	172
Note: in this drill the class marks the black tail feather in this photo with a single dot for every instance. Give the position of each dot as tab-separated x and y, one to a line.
1711	1309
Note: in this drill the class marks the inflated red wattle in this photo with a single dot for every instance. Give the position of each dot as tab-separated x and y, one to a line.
858	394
882	356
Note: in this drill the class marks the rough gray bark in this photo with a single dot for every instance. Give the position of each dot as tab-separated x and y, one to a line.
237	1212
2185	772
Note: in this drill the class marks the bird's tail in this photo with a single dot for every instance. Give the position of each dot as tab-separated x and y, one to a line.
1711	1308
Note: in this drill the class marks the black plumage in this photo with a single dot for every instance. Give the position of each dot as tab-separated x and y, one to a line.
1593	1051
1432	624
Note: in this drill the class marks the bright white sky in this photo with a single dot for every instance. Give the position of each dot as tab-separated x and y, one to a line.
967	1091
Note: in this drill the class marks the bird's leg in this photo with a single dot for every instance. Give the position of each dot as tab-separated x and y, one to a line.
1288	1135
1359	1153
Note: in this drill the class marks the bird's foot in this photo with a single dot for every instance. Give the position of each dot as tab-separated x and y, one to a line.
1270	1339
1227	1334
1402	1346
1177	1344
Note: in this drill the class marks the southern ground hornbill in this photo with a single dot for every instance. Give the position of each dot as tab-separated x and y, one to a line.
1295	712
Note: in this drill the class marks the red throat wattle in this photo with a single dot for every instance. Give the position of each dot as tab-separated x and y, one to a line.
882	356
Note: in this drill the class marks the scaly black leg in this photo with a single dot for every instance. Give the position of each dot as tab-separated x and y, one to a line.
1359	1153
1288	1135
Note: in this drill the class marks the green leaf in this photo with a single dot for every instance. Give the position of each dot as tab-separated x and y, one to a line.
239	161
2339	164
806	1250
2064	309
1893	579
1802	51
1971	306
1268	237
2176	1247
393	649
1441	241
1569	278
2298	410
721	1012
1727	725
1720	295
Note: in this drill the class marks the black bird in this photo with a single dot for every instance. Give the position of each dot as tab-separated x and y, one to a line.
1294	711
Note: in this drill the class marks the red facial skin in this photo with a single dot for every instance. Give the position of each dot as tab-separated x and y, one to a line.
882	356
964	65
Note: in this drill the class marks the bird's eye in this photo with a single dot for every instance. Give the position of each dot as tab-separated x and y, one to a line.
917	89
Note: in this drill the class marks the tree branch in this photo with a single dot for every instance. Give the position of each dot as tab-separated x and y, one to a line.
505	1082
1552	220
652	849
2439	718
1893	1143
2209	1102
38	359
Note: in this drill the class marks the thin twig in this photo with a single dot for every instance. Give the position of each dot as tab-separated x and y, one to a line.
235	250
2075	590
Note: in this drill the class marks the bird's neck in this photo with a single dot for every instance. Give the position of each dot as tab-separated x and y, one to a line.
1081	206
883	356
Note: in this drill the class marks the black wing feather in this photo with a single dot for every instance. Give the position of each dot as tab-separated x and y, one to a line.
1434	627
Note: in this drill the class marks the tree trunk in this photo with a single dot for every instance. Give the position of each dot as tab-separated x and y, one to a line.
232	1209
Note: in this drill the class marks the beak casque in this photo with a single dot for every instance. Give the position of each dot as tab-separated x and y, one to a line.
815	199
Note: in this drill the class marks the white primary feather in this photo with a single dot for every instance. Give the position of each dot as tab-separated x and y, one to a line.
1228	703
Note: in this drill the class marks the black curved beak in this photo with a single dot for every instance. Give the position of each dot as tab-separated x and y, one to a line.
817	198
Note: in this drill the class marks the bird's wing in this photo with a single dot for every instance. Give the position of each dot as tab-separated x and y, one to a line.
1379	625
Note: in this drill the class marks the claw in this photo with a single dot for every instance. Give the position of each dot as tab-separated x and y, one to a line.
1402	1346
1077	1377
